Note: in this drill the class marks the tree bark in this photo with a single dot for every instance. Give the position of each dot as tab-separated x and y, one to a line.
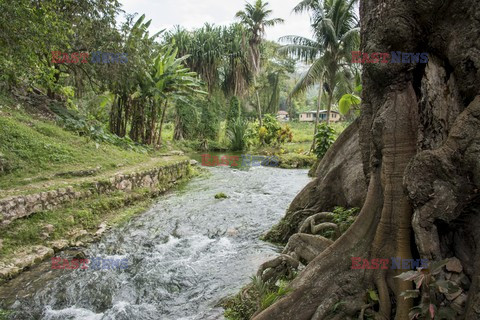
159	141
329	106
319	105
259	107
420	150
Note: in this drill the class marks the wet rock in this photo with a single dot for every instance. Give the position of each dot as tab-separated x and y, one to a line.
80	255
101	229
232	232
37	254
59	245
9	272
76	234
193	162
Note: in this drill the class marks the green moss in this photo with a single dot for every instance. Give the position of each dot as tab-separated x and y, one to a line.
292	160
221	195
4	314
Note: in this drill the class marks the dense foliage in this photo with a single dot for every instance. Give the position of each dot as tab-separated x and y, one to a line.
325	137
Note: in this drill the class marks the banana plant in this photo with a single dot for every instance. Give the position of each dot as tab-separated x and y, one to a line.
172	80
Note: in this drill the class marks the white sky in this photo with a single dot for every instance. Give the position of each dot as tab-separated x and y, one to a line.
194	13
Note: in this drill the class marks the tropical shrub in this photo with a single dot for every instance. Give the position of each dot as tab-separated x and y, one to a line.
237	134
209	122
234	112
285	134
186	121
93	129
251	136
325	138
270	131
432	286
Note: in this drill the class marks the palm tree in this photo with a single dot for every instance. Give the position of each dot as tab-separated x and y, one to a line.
255	18
336	34
237	73
171	80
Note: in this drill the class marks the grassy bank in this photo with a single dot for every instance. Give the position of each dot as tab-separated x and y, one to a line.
74	224
35	150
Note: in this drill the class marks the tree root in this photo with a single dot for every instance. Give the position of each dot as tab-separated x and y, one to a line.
318	223
276	268
300	248
306	247
312	220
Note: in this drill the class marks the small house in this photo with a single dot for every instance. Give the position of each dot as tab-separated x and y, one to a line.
310	116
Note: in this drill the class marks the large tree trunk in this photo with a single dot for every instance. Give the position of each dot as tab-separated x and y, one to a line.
419	140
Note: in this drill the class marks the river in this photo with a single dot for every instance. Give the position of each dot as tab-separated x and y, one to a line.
186	253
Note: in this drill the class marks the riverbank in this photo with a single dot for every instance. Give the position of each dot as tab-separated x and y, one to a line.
61	188
79	214
185	253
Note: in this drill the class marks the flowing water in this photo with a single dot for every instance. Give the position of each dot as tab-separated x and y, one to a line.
184	254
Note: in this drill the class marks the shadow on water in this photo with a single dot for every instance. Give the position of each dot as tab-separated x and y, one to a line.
184	254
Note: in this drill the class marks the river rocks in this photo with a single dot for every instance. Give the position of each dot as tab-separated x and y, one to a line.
80	255
59	245
7	272
23	260
232	232
193	162
160	178
77	234
101	229
156	179
37	254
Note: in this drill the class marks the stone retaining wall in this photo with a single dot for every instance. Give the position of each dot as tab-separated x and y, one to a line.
161	178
